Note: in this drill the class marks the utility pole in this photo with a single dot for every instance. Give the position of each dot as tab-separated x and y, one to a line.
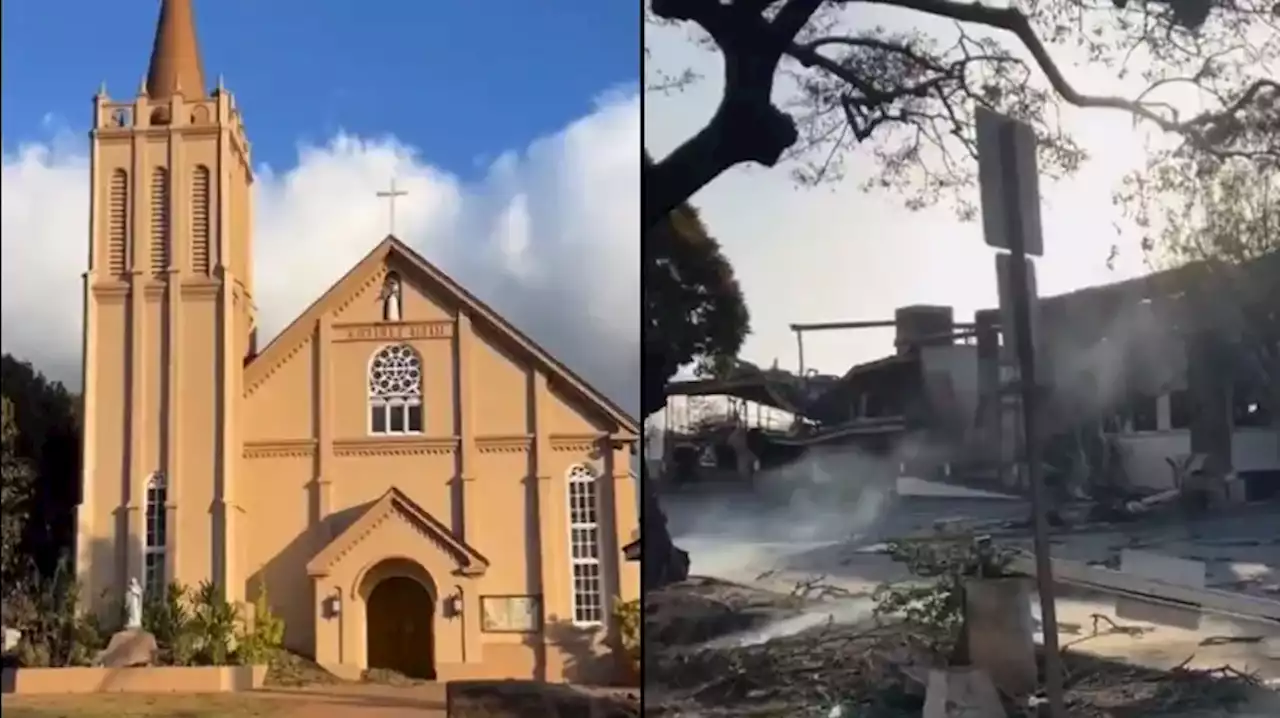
1009	182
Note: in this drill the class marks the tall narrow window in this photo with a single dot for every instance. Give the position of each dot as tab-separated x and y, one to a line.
395	391
157	535
118	222
584	547
200	220
159	220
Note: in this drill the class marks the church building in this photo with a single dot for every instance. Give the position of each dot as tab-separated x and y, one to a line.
415	484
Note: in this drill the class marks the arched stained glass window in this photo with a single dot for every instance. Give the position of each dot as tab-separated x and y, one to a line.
395	391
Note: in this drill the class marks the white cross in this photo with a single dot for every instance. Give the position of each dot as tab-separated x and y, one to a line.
390	195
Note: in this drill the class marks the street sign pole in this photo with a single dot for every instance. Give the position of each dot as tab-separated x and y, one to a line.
1012	183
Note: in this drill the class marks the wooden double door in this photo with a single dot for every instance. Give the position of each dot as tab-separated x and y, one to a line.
401	615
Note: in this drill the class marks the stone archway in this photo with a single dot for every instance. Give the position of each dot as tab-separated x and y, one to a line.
400	623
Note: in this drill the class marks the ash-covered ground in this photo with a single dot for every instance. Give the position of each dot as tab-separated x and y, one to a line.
764	608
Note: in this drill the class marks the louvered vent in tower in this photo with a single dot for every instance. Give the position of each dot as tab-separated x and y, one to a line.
159	220
117	222
200	220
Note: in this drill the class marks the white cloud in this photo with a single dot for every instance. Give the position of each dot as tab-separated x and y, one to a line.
549	237
827	254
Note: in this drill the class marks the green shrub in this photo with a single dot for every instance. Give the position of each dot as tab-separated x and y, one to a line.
191	627
201	628
627	615
213	625
168	617
256	644
55	632
115	609
934	603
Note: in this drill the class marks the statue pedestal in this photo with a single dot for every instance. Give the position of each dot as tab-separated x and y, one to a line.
129	648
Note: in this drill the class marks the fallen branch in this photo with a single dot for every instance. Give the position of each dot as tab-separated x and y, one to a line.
815	589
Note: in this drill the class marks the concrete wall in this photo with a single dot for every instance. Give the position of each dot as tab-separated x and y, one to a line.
1145	453
152	679
959	362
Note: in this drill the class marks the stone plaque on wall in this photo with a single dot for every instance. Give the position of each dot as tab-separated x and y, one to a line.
510	614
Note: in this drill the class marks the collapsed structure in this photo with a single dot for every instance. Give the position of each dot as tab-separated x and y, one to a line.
1137	375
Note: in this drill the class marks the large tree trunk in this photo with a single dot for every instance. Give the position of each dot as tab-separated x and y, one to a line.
661	560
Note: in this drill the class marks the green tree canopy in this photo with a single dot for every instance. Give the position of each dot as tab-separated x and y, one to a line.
45	441
16	479
693	306
694	313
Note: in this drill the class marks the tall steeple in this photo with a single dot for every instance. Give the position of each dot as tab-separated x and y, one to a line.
169	313
175	55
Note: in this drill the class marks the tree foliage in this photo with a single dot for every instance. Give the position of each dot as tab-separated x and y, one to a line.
41	452
1220	217
909	96
16	478
1229	211
694	313
693	306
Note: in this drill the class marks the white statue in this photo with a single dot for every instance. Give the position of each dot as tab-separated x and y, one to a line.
391	299
133	605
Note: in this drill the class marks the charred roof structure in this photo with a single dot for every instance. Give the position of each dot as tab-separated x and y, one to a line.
1101	347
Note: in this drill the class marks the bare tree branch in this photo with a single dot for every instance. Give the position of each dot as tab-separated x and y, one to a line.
746	126
868	83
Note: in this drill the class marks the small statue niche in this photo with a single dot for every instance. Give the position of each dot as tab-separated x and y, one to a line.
390	297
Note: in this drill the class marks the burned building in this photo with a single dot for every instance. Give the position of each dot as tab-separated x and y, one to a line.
1142	370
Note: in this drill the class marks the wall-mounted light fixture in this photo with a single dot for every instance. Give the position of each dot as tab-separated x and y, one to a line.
333	606
452	606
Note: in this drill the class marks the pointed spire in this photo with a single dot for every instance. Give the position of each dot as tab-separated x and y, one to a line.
175	56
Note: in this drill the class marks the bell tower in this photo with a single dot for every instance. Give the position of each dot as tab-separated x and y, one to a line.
169	316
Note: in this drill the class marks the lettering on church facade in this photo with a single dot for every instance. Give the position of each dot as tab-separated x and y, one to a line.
401	331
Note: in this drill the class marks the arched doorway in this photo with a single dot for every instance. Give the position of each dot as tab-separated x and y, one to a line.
399	623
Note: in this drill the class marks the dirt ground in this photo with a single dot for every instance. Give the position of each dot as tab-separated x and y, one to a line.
331	700
297	688
363	700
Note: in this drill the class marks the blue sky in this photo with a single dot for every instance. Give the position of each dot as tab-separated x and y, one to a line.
460	80
514	125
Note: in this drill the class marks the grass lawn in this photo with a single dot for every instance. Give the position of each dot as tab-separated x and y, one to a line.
100	705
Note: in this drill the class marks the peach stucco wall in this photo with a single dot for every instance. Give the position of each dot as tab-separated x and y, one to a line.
270	461
158	366
311	468
475	468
